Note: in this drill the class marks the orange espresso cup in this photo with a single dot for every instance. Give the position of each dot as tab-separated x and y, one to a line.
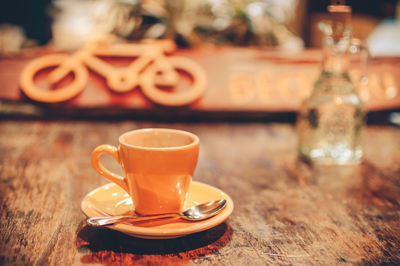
158	165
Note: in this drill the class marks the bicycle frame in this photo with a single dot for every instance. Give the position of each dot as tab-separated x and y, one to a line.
121	79
151	69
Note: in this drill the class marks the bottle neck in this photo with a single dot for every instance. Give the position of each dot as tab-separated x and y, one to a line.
336	59
335	63
334	77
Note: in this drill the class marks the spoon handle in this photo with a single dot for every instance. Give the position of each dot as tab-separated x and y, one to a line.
111	220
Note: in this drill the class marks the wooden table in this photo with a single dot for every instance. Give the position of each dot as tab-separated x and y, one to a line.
286	212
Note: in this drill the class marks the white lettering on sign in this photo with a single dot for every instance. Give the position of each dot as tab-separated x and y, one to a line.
268	85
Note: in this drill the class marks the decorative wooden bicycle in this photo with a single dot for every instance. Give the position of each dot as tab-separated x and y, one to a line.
151	70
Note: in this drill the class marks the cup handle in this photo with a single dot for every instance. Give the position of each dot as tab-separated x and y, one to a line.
113	151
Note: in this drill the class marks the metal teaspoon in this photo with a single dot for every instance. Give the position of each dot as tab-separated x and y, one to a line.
195	213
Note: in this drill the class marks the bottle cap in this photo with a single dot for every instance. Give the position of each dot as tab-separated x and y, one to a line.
340	13
340	18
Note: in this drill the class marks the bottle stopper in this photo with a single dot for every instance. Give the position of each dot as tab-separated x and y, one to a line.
340	17
340	12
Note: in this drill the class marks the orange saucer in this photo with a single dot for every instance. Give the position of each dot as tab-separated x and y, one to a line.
110	199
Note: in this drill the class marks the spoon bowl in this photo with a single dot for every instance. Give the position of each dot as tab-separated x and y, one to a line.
195	213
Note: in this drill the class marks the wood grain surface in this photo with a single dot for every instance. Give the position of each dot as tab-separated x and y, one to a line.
286	212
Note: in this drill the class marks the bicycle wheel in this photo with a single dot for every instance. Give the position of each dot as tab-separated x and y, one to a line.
31	90
150	89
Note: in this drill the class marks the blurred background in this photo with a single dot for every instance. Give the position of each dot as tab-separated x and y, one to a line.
287	24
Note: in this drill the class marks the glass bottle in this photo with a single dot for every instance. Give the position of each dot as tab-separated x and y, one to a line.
331	118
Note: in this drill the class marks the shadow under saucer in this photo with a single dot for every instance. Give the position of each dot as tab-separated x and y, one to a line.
103	245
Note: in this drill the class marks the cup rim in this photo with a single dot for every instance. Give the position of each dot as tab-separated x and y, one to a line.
182	147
